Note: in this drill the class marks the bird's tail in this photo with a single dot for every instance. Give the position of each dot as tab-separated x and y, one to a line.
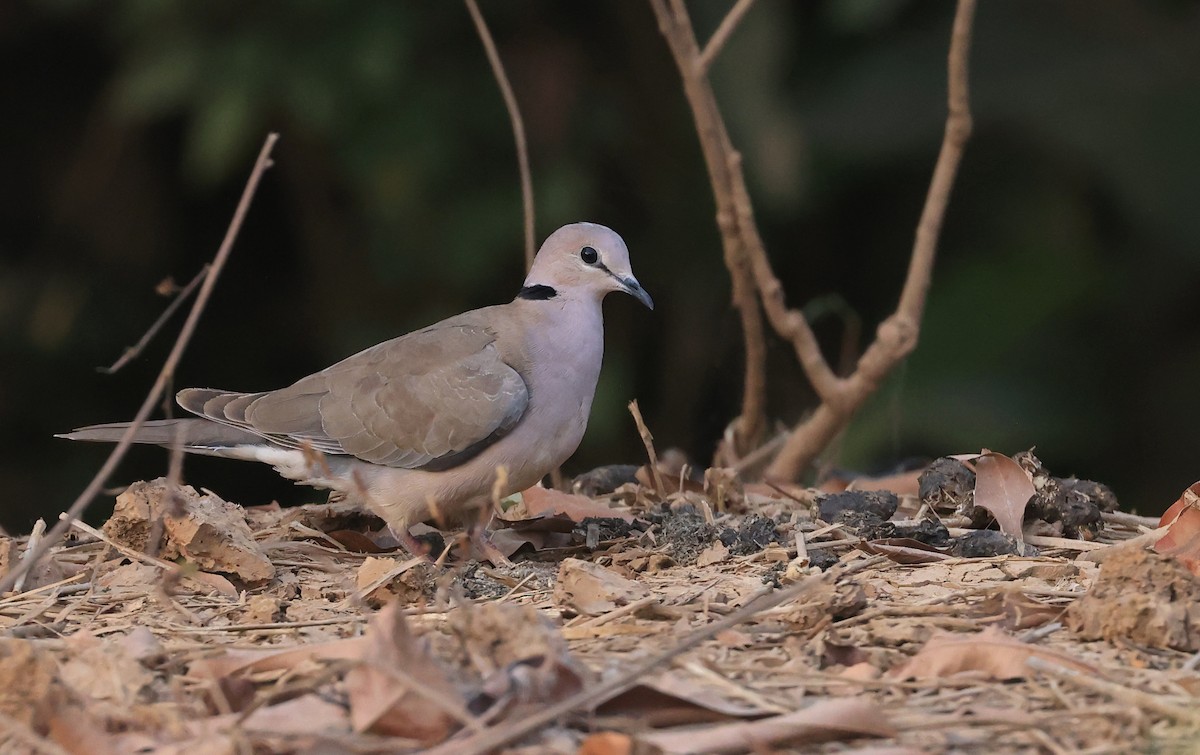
195	435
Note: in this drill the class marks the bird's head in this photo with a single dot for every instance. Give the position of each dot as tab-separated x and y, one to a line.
583	259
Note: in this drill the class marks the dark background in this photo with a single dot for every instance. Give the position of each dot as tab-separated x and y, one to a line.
1064	303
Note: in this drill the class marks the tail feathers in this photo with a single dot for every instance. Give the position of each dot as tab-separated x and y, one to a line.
192	434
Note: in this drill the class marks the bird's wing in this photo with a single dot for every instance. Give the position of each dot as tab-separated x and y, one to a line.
431	399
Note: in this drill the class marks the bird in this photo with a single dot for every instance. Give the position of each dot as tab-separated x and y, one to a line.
437	421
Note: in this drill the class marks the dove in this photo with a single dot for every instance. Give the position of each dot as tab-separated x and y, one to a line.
429	422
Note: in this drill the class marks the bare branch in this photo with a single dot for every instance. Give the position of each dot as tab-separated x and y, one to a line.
518	127
136	349
717	42
676	27
164	376
897	335
753	279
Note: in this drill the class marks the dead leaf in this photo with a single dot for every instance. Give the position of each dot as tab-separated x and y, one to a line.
1003	488
713	554
400	690
1015	610
537	502
991	653
591	589
676	697
825	721
609	743
1182	540
903	550
237	662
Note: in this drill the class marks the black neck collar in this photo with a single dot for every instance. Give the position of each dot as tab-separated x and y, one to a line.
537	292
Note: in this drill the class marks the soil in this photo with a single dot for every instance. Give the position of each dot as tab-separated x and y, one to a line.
256	631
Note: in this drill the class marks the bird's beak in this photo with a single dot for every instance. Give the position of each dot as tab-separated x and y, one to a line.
634	289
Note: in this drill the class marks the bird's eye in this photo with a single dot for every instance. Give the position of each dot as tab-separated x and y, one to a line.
589	255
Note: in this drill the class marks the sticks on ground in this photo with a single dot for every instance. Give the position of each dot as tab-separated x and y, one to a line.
751	272
165	375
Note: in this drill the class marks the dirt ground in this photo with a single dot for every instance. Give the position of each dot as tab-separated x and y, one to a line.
714	618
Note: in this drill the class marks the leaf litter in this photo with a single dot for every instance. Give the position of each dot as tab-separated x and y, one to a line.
303	630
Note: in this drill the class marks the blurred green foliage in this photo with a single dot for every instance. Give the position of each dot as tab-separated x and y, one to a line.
1063	307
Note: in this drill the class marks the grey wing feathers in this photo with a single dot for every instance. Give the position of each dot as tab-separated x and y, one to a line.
429	399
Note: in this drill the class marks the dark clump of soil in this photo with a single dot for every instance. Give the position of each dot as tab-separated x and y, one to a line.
928	531
822	559
878	503
1073	506
685	529
607	528
604	480
947	484
752	535
988	543
864	524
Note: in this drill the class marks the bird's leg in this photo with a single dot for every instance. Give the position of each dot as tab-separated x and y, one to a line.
413	546
483	547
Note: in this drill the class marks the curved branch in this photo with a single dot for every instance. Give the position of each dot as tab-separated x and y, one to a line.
518	127
897	336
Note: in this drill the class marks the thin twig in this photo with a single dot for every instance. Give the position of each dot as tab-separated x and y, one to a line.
165	374
136	349
765	599
518	126
648	442
717	41
1183	712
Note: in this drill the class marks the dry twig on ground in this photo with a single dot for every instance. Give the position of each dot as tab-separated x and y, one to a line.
754	281
165	375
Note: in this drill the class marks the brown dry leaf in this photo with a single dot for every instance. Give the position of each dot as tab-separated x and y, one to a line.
538	502
713	554
676	697
592	590
672	482
1182	540
991	652
1018	611
610	743
1003	488
509	540
904	550
824	721
75	730
236	662
359	542
400	689
102	669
